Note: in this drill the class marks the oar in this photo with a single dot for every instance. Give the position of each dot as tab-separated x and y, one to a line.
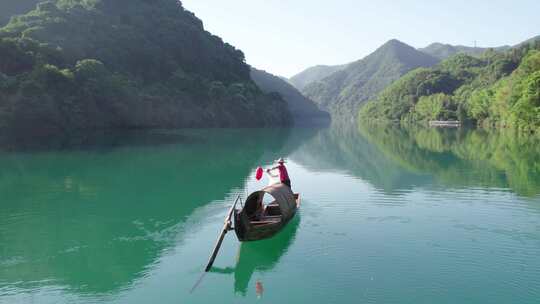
226	228
197	283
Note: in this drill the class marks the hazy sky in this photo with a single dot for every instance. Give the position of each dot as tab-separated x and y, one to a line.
286	36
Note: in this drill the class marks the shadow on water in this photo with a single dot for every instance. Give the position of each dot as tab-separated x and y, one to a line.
95	219
260	256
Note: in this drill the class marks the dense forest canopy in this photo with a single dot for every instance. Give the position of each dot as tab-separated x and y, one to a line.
495	89
80	64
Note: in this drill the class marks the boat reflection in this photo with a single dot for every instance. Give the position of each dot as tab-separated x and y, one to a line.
260	256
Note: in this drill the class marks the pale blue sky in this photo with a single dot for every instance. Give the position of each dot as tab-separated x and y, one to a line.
286	36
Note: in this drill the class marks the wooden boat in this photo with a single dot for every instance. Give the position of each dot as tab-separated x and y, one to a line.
255	221
445	123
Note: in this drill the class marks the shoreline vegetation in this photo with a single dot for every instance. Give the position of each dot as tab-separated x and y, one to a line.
493	90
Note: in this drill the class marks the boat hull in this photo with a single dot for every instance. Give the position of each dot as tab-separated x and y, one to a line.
247	232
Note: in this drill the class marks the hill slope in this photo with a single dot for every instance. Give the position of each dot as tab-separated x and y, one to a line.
528	41
312	74
344	91
86	64
443	51
303	110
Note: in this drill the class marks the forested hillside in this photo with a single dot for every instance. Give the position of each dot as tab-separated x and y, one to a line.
344	91
313	74
303	110
85	64
443	51
496	89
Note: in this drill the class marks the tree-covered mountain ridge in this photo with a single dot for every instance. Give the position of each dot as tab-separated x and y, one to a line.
303	110
500	89
438	50
86	64
443	50
313	74
344	91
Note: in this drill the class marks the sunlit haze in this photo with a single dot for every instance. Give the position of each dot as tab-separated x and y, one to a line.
285	37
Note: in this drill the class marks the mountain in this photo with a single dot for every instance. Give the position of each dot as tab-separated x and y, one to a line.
312	74
494	90
528	41
11	8
443	51
303	110
99	64
344	91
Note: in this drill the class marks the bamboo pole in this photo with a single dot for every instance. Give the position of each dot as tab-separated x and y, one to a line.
227	226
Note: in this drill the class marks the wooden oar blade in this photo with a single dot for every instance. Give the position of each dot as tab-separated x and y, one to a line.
216	248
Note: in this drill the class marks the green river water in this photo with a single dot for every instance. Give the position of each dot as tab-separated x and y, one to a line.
389	215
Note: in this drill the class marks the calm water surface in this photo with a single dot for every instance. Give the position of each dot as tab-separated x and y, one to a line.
389	215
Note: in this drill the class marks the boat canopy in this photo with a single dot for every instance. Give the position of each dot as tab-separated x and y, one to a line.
280	192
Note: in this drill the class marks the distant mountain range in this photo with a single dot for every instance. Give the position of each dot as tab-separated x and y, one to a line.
497	89
438	50
443	51
312	74
303	110
168	71
345	90
340	89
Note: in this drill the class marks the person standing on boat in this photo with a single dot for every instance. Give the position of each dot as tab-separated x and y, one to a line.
283	174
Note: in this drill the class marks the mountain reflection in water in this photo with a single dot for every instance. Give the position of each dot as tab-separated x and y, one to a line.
131	217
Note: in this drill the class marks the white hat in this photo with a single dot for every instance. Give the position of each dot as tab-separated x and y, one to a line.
281	160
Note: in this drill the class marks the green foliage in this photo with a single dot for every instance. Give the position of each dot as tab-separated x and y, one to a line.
435	107
495	89
526	111
408	90
80	64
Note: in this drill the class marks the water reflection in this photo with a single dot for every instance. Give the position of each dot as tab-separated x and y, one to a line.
94	220
396	159
260	256
342	149
463	158
97	216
